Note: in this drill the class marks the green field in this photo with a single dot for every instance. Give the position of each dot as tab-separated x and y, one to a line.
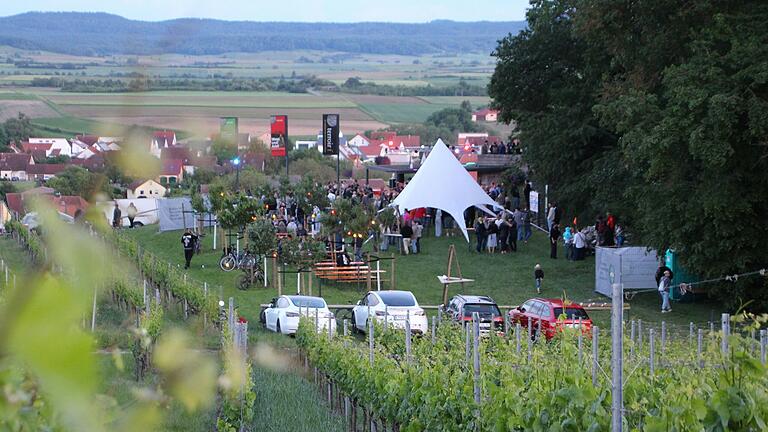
16	96
506	278
402	113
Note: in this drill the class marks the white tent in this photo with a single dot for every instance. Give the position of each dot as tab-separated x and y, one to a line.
443	183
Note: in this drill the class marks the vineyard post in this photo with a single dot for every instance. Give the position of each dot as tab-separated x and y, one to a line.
530	329
632	339
386	316
157	296
517	336
530	348
330	327
468	346
144	297
439	314
476	354
231	312
434	327
186	309
762	345
639	334
690	333
370	341
392	273
711	327
617	356
265	271
346	332
317	322
726	330
700	341
346	406
205	296
651	349
663	337
595	353
93	314
408	339
506	325
581	345
538	331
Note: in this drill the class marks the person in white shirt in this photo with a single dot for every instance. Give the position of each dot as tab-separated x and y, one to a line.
580	244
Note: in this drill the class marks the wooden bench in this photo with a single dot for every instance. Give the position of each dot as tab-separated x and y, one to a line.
354	272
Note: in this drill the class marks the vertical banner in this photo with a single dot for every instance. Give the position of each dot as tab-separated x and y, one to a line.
330	134
534	202
279	131
228	128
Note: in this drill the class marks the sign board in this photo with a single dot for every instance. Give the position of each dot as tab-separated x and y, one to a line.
330	134
228	128
634	267
279	134
534	202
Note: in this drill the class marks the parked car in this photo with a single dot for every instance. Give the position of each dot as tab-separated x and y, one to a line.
283	314
393	306
553	314
461	307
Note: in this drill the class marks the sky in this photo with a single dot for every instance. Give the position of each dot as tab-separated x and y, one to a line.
286	10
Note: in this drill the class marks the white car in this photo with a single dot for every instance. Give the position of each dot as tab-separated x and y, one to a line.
283	314
393	306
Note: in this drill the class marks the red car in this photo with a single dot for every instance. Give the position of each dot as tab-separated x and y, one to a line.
553	315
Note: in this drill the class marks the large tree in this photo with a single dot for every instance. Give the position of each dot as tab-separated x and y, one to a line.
657	110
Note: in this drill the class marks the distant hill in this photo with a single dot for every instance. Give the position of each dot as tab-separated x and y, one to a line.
105	34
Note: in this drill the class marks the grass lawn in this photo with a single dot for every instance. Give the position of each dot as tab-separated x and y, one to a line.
506	278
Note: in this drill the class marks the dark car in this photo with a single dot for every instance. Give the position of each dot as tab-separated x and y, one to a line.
553	314
461	307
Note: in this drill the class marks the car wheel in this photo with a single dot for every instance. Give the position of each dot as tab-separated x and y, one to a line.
137	224
354	324
277	327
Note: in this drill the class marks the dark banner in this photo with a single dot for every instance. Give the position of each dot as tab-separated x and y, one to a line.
279	130
330	134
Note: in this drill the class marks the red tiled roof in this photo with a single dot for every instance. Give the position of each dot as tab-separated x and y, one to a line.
14	161
169	135
69	204
484	112
172	167
176	152
479	141
15	202
203	161
396	140
27	147
87	139
46	169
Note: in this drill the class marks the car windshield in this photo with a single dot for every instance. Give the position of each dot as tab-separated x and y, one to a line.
310	302
483	309
393	298
571	313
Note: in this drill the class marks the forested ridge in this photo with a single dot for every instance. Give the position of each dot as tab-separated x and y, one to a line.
105	34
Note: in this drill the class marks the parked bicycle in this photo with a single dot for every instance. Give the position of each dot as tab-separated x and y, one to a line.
233	260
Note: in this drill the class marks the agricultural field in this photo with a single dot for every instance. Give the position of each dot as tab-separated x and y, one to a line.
198	112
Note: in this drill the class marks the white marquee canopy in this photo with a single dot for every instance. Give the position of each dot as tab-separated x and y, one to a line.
443	183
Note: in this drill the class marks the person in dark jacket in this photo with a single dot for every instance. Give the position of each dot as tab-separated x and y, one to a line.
188	241
117	220
481	233
554	236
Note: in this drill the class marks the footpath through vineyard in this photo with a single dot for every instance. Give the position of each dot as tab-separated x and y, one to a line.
452	380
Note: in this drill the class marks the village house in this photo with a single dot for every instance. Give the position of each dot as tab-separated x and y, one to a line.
52	146
359	140
485	115
171	173
13	166
145	189
161	140
43	171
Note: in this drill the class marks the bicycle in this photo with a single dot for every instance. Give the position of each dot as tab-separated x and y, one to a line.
232	260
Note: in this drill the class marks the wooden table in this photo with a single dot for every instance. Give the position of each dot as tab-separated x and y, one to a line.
448	280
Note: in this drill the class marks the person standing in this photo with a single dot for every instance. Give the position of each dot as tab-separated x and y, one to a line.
527	225
438	223
418	230
580	246
568	243
481	234
513	234
554	237
503	239
664	285
407	232
550	216
117	216
132	212
188	241
538	277
515	196
493	235
527	193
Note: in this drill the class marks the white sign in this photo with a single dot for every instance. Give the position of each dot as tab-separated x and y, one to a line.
534	201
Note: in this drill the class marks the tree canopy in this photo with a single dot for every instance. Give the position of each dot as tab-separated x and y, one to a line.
654	111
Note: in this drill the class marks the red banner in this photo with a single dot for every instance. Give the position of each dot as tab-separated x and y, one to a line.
279	131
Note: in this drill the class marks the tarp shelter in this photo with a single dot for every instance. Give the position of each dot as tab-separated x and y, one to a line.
635	267
443	183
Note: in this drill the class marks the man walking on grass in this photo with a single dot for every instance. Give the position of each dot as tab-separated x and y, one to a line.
188	241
